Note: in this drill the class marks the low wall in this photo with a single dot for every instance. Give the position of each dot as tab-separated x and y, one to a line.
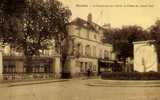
131	76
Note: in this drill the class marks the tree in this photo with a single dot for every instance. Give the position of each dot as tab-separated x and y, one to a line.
31	25
154	31
122	39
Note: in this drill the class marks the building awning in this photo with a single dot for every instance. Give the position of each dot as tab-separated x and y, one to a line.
109	63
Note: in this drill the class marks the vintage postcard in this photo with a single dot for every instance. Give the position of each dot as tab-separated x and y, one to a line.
79	50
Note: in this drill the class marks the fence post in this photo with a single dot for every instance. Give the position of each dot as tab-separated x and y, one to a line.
1	66
56	67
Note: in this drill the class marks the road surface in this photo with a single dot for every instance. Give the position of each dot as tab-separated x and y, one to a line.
82	89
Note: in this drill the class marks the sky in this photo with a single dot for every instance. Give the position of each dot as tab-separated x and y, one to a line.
116	12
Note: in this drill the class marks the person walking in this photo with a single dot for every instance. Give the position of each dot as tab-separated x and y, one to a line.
88	72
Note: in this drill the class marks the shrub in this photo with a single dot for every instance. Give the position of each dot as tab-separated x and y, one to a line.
131	75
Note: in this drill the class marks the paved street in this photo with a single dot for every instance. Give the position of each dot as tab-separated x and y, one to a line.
81	89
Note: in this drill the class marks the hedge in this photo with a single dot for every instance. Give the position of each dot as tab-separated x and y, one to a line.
130	75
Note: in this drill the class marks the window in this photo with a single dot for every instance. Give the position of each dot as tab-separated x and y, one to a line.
88	50
94	51
95	37
88	34
80	49
81	67
90	65
34	69
106	54
9	69
86	66
46	69
41	69
24	69
94	67
100	54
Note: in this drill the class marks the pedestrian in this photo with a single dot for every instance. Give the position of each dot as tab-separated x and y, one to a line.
88	72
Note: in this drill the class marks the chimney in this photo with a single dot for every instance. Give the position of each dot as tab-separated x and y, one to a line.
89	18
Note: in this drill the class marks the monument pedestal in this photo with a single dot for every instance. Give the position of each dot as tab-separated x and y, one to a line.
145	56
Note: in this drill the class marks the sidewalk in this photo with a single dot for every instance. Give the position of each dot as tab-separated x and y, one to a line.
13	83
30	82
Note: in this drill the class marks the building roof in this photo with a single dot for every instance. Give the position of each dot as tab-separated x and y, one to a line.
85	24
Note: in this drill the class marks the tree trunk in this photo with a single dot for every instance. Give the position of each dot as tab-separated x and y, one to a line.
64	59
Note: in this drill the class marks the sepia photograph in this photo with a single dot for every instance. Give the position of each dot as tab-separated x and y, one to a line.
79	50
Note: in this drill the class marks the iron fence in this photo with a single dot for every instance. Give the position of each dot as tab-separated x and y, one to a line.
30	76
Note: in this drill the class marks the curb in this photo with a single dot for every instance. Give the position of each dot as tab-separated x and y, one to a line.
22	83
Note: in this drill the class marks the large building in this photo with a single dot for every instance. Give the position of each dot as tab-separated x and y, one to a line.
14	65
85	49
86	38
